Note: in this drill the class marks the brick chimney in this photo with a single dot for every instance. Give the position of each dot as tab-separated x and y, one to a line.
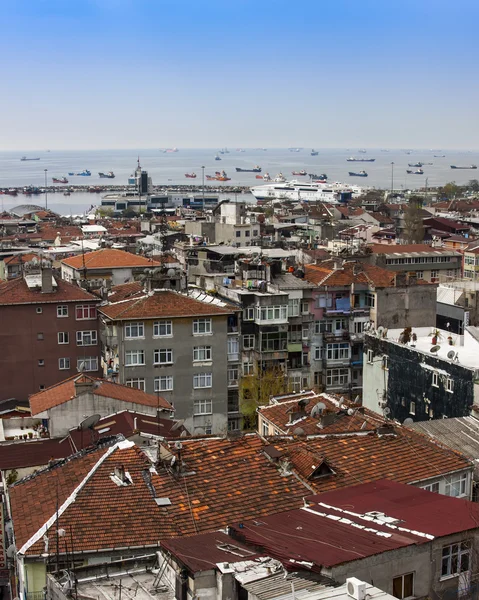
83	384
47	285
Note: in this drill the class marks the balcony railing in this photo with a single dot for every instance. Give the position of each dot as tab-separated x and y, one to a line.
35	595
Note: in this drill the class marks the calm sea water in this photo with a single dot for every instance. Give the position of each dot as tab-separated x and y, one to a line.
170	169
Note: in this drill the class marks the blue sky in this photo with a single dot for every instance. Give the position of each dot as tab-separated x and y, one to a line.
209	73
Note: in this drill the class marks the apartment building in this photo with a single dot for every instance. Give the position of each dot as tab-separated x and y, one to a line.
170	343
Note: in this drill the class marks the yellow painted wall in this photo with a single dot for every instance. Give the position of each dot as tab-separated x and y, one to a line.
35	576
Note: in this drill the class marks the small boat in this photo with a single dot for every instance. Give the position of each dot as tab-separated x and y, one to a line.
352	159
222	176
314	152
439	156
322	177
362	151
210	178
267	177
31	190
360	174
255	169
416	172
24	158
301	173
170	150
190	175
418	164
280	178
469	167
84	173
217	157
260	177
59	180
109	175
67	193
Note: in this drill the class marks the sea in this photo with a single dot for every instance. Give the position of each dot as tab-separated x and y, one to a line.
169	168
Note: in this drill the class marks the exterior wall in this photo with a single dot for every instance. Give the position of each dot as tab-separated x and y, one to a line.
408	379
35	576
410	305
20	372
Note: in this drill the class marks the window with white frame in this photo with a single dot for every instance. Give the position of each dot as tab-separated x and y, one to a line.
293	307
456	485
248	313
412	408
134	329
434	274
62	310
248	341
202	380
63	364
134	358
203	407
336	377
201	353
449	385
233	347
370	299
370	357
271	313
136	382
295	382
340	351
420	274
164	383
163	328
359	326
88	363
317	353
403	586
63	337
264	428
85	312
456	558
248	368
202	327
435	379
232	375
305	332
305	307
163	356
87	338
431	487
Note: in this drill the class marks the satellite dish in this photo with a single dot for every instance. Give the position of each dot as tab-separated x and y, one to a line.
451	354
356	400
89	422
177	425
184	433
298	431
435	349
317	410
380	331
386	411
350	412
408	421
11	551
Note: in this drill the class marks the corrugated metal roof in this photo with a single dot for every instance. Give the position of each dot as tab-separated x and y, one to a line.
460	433
278	587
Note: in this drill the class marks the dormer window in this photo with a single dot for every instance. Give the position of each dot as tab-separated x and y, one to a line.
322	470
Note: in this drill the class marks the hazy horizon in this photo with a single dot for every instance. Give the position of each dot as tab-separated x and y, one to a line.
146	74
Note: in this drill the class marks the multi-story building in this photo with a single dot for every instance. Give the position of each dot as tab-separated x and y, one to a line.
183	348
49	331
471	261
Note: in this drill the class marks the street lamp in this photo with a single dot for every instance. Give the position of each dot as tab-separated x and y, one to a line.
203	186
46	191
392	177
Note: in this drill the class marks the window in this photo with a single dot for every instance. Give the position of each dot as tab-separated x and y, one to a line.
41	362
40	336
134	357
370	357
87	338
63	364
359	326
305	333
162	328
403	586
339	351
456	485
202	327
247	233
163	356
412	408
164	383
63	337
435	379
273	341
39	310
305	307
248	314
456	559
62	310
85	312
203	407
137	383
434	274
431	487
293	307
272	313
449	385
238	233
89	363
264	428
201	353
248	341
370	299
255	232
317	353
202	380
233	348
41	387
134	330
248	368
420	274
233	376
335	377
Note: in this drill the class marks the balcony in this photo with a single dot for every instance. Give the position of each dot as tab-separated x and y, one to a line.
232	383
295	347
340	334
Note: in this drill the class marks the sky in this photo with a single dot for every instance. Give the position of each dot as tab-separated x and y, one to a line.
83	74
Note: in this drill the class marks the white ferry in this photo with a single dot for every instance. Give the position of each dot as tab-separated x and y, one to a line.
334	193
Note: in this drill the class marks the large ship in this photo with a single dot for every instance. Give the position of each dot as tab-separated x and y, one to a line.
25	158
360	174
59	180
109	175
307	192
255	169
469	167
84	173
353	159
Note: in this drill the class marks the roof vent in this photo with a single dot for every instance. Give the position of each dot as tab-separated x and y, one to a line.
326	420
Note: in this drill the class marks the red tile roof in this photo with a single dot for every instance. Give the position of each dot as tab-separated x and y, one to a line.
16	291
18	259
108	258
62	392
125	291
346	274
160	304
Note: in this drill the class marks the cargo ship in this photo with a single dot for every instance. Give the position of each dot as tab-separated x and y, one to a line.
25	158
109	175
84	173
302	173
314	152
353	159
322	177
360	174
255	169
418	165
469	167
190	175
416	172
59	180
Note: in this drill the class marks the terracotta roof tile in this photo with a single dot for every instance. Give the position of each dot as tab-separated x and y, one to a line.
125	290
161	303
16	291
65	390
349	272
108	258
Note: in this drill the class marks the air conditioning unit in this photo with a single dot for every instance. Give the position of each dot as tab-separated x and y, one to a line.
356	588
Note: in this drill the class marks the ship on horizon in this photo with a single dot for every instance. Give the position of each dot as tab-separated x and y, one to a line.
353	159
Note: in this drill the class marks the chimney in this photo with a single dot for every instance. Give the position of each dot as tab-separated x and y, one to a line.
83	384
47	285
327	419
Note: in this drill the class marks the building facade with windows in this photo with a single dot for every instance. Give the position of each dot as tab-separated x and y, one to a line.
184	349
49	331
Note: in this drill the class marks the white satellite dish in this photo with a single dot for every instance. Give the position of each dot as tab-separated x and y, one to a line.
408	421
317	410
386	411
89	422
451	354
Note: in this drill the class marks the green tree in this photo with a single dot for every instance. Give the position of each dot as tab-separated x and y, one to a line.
451	190
413	226
256	390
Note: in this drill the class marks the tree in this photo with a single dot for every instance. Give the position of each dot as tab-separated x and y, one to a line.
256	390
473	185
451	190
413	226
